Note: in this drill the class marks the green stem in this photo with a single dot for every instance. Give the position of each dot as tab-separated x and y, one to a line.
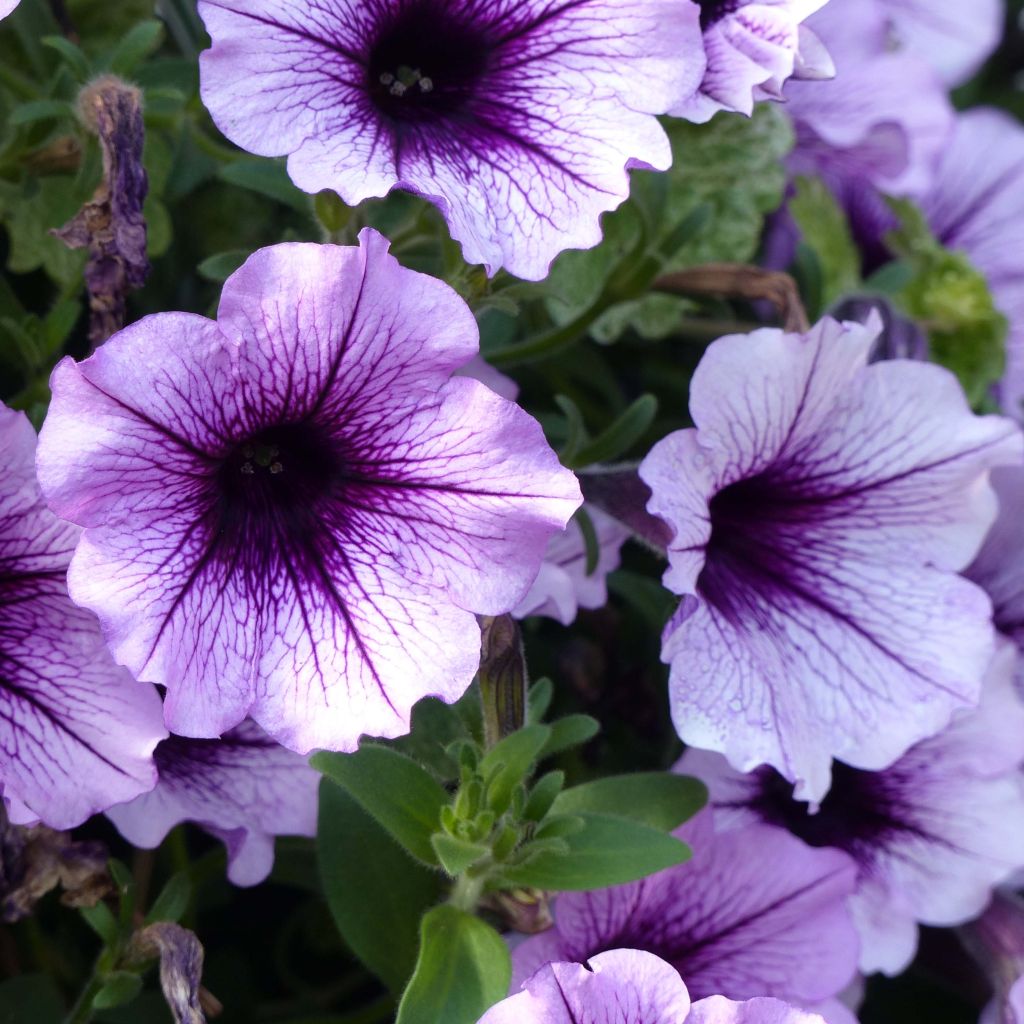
549	344
466	892
82	1011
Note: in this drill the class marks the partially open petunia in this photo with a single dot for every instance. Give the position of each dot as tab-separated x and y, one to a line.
76	731
753	47
243	788
295	512
566	583
931	835
822	508
756	912
628	986
520	121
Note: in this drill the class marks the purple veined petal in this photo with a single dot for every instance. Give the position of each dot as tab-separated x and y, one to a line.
822	509
977	197
76	732
519	120
931	835
294	512
620	986
755	912
719	1010
563	585
752	47
243	788
954	38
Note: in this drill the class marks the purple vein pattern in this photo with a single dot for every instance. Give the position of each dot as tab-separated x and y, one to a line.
628	986
753	47
563	585
76	731
295	512
756	912
931	835
243	788
822	508
519	119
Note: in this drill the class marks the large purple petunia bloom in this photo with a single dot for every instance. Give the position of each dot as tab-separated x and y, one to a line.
931	835
753	47
628	986
519	119
756	912
76	732
295	512
243	788
822	509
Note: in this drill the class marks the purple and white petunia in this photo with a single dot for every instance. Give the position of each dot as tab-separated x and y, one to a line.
243	788
76	731
822	509
295	512
628	986
931	835
519	120
753	47
564	585
954	37
755	912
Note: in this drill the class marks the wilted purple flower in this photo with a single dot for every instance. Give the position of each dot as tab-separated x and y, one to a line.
931	834
996	940
900	337
244	788
76	732
628	986
954	37
753	47
294	512
822	508
755	912
977	205
519	120
564	585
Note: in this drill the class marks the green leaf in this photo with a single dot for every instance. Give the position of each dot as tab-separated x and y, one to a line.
538	700
617	439
41	110
222	265
30	998
463	969
72	55
173	900
662	800
825	229
455	854
542	796
375	891
608	851
120	987
517	752
101	920
267	177
403	797
576	432
138	44
571	731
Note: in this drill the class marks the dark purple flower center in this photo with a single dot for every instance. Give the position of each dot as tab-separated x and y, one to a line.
714	10
425	65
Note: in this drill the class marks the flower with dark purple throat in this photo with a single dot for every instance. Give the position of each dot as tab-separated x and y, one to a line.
931	835
76	731
295	512
822	509
519	120
243	788
753	47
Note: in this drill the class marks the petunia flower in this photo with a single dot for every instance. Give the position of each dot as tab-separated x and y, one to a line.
954	37
755	912
519	120
753	47
76	731
822	509
931	835
975	204
628	986
243	788
294	512
564	585
7	6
